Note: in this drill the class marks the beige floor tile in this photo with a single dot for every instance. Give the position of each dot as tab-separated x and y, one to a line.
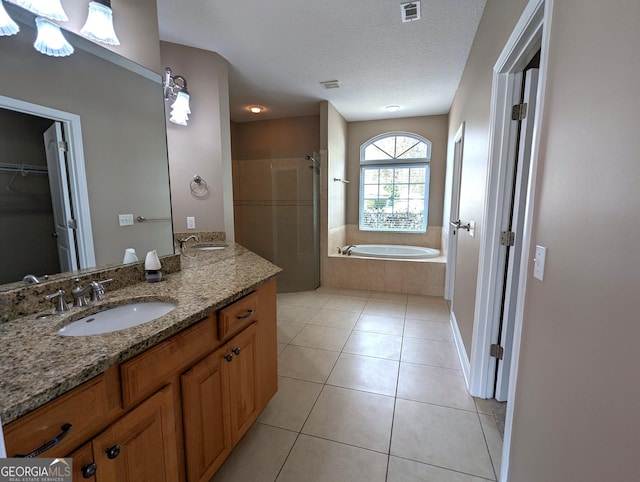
402	470
441	436
295	313
348	292
291	406
386	308
435	301
383	296
364	373
483	406
305	363
334	318
303	298
342	303
281	346
440	386
352	417
428	312
259	456
430	352
432	330
323	337
287	330
380	324
494	441
316	460
374	344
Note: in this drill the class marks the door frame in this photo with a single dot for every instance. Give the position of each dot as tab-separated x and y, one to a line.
454	211
76	171
532	32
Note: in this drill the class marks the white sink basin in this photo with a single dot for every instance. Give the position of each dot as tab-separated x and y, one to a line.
117	318
208	247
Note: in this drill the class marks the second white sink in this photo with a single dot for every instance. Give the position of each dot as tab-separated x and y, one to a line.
117	318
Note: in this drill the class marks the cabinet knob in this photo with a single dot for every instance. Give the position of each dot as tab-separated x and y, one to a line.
228	357
236	351
113	452
89	470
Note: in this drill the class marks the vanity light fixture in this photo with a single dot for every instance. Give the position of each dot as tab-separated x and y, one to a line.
99	24
51	9
50	40
175	88
256	109
7	25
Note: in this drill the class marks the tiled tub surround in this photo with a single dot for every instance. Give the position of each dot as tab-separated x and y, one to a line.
416	277
37	365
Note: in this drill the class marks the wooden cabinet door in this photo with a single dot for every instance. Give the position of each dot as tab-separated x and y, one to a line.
243	381
141	446
205	407
84	469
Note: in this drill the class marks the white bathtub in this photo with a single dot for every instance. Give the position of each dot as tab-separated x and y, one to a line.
387	251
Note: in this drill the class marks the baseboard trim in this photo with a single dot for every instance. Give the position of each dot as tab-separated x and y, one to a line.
462	353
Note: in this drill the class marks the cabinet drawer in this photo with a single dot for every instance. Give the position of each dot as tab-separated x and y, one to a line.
84	408
149	371
237	316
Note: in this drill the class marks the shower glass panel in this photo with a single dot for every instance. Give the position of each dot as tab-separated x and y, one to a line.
276	203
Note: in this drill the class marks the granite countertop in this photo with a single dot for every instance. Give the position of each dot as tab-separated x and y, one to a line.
37	365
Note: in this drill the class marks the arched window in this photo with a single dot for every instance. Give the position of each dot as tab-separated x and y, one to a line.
394	183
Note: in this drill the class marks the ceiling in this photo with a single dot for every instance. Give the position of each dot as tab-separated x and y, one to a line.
280	50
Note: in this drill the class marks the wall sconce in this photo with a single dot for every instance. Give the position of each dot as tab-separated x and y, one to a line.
51	9
99	24
175	88
7	25
50	40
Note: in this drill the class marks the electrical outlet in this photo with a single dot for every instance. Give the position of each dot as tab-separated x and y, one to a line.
538	262
191	222
125	219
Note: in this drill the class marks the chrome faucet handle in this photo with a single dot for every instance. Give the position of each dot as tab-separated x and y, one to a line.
79	294
97	292
61	305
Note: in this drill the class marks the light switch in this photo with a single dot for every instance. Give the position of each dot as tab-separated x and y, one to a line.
538	262
125	219
191	222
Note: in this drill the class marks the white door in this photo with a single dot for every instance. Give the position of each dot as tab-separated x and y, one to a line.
62	214
515	224
454	215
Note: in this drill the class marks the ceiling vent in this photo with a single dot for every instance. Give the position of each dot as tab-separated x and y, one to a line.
330	84
410	11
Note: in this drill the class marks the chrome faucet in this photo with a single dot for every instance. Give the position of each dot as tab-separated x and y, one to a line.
95	288
348	249
61	304
31	279
183	242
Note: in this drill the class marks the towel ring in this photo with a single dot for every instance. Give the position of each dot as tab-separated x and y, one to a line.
198	186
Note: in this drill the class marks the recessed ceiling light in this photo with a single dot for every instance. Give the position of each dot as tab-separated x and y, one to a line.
392	108
330	84
256	109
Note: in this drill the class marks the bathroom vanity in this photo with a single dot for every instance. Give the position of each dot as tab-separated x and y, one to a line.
167	400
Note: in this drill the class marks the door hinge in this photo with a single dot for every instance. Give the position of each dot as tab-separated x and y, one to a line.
507	238
72	224
496	351
62	146
519	112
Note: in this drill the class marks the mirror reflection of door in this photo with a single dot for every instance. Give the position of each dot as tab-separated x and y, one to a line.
29	244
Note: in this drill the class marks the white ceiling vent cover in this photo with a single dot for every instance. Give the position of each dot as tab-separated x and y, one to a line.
410	11
330	84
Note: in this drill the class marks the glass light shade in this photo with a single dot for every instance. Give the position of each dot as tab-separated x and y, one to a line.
180	109
50	40
7	25
45	8
99	25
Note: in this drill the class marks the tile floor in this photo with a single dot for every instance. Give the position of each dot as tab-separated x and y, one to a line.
370	389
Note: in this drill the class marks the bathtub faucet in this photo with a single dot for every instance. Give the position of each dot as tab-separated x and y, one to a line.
348	249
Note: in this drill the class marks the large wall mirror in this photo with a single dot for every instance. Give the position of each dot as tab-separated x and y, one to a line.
83	141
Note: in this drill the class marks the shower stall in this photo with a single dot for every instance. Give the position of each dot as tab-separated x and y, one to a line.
277	211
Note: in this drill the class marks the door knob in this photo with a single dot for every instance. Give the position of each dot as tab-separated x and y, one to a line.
458	225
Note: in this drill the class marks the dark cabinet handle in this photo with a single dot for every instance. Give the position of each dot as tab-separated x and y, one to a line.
51	443
236	351
246	315
228	357
113	452
89	470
